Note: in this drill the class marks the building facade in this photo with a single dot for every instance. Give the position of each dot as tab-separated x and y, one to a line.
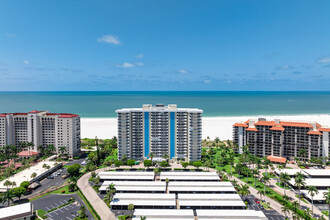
161	130
282	138
41	128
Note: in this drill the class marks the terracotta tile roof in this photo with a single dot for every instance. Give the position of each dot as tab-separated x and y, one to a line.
251	129
314	132
275	128
240	125
296	124
324	129
276	159
2	115
68	115
34	111
265	123
27	153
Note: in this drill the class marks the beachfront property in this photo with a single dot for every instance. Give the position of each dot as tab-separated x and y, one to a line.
41	128
282	138
161	130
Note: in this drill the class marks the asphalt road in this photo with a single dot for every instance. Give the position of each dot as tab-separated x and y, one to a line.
67	212
270	214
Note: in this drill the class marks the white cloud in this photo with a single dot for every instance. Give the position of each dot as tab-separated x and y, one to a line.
139	64
285	67
111	39
183	71
140	56
324	60
207	81
125	65
26	62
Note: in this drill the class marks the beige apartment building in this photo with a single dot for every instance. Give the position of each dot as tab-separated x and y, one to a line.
282	138
41	128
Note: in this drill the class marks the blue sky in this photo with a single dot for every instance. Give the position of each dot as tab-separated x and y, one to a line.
164	45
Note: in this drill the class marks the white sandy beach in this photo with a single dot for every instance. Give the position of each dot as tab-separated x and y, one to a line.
212	126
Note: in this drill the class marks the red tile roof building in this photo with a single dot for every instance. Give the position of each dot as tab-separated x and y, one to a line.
282	138
41	128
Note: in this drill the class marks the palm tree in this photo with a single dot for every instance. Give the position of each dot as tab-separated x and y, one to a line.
7	197
151	155
255	173
8	184
62	150
303	153
299	182
266	164
51	148
244	190
234	182
34	175
231	160
326	196
143	218
295	205
312	192
165	156
131	208
284	177
111	189
285	210
266	180
261	193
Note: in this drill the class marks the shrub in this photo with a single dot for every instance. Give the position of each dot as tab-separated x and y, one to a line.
63	191
25	184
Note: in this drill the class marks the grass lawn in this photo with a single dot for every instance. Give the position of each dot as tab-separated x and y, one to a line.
42	213
58	191
302	199
281	185
266	206
269	174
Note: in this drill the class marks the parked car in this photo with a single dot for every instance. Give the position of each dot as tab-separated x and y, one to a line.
257	201
50	177
65	176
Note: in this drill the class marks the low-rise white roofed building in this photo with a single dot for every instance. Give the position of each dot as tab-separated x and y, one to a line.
230	214
158	214
17	212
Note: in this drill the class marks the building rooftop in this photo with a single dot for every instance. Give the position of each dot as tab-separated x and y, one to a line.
291	172
317	182
163	214
17	211
192	196
27	153
159	107
317	172
201	189
43	113
202	202
230	214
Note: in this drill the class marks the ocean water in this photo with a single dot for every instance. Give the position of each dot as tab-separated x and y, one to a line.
104	104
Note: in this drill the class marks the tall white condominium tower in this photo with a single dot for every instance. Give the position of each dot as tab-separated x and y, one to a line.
161	130
41	128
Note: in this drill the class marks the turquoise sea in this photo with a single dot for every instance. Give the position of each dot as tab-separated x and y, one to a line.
104	104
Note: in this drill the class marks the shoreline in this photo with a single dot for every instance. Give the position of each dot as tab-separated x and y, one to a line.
212	126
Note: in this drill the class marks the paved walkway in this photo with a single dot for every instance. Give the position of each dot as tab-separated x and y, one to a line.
100	207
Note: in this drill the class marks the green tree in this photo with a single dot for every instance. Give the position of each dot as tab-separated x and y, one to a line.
185	164
295	205
312	192
197	164
130	163
18	192
82	212
326	196
147	163
151	155
285	209
164	163
284	178
261	193
303	153
33	175
131	208
25	184
244	190
8	184
299	182
265	179
7	197
118	163
74	169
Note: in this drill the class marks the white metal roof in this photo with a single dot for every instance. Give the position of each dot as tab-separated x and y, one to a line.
226	203
318	182
140	188
122	177
190	177
128	173
200	183
12	211
185	196
141	202
229	214
317	172
164	214
201	189
145	196
188	173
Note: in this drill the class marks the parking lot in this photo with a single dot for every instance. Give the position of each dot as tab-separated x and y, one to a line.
270	214
67	212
